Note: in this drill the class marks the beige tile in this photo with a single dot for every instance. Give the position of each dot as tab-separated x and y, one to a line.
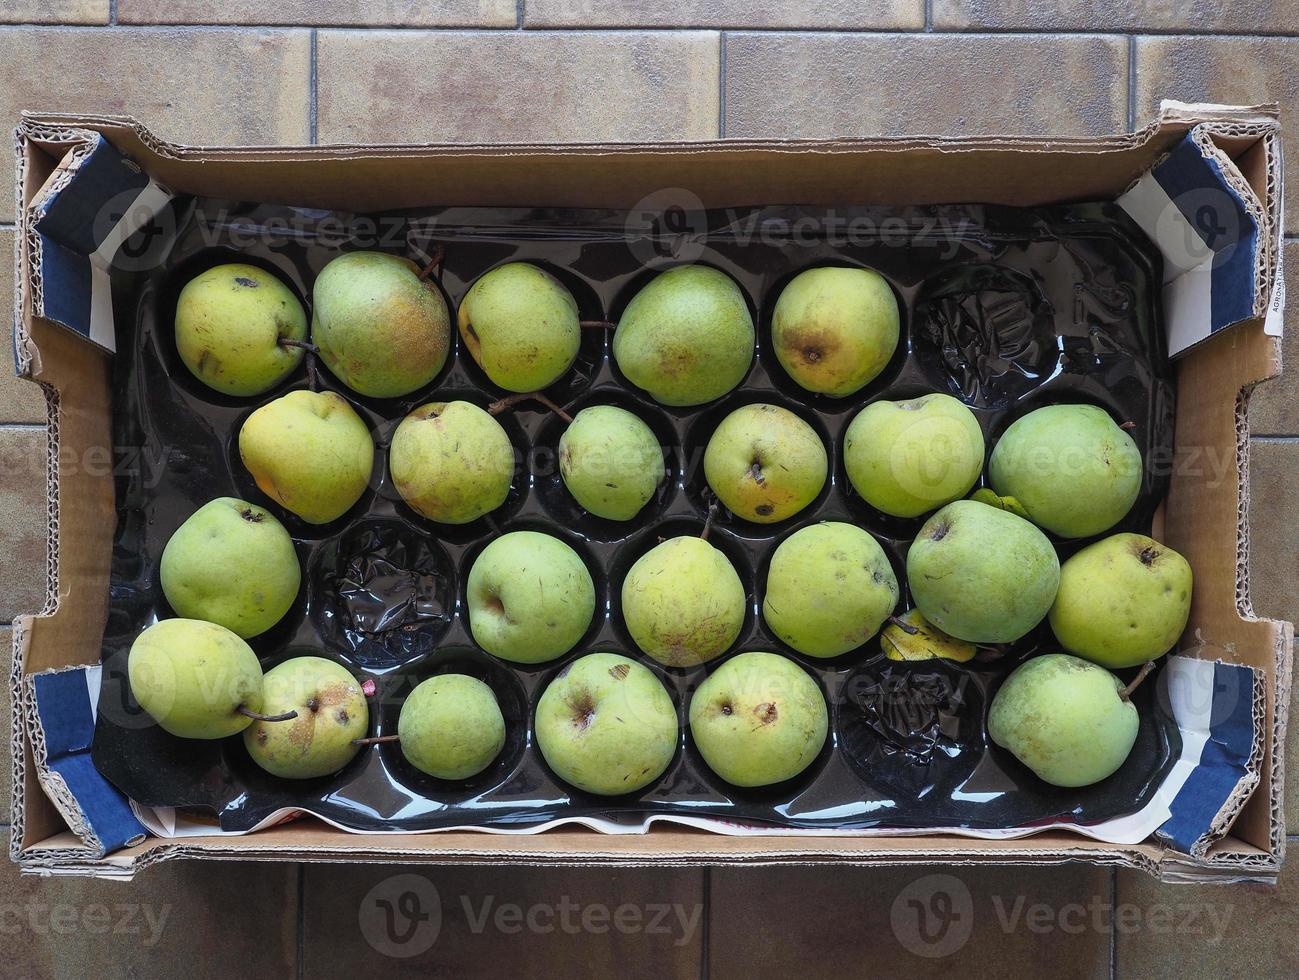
379	13
22	521
1182	931
509	86
941	922
1274	405
502	922
1274	527
192	919
1240	16
6	723
1225	69
839	14
54	12
20	400
825	85
209	86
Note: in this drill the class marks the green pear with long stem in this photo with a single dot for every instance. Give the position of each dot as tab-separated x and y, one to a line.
607	725
611	462
520	325
239	329
687	337
835	329
231	563
381	326
310	452
323	711
452	462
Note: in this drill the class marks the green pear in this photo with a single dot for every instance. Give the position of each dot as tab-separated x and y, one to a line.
611	462
1068	720
835	329
381	329
912	637
309	451
451	462
686	337
1122	601
451	727
231	563
758	719
1070	467
230	325
195	679
530	596
520	325
765	463
907	458
607	725
330	712
829	589
982	574
683	602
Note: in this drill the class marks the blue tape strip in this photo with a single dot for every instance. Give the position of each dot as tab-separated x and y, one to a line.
82	214
64	710
66	285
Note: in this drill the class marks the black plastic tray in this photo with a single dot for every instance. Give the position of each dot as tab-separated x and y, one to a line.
1009	309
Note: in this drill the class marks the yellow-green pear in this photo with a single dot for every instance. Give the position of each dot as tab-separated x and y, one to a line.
829	588
835	329
451	727
330	713
607	725
382	329
1071	467
520	325
907	458
231	324
683	602
1122	601
687	337
1067	719
310	452
451	462
231	563
610	461
758	719
765	463
195	679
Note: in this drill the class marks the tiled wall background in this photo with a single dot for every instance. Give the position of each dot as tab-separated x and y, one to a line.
297	71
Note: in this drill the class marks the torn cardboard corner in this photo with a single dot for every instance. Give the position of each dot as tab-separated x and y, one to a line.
61	344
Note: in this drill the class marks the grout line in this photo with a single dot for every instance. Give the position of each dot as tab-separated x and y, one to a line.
929	16
22	425
1276	439
520	14
302	922
1132	84
1114	939
721	85
312	103
707	898
112	12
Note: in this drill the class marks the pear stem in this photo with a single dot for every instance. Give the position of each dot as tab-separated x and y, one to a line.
258	716
376	740
903	625
708	522
300	344
596	324
313	380
1126	693
434	264
1129	424
497	407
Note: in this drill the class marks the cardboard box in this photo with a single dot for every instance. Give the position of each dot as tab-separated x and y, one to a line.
1204	518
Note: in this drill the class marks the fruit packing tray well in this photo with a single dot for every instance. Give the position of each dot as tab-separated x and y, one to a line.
1008	309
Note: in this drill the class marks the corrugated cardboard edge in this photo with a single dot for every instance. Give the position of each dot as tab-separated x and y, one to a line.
69	854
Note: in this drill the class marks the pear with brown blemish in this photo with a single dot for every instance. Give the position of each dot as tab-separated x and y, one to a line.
835	329
381	326
765	463
331	713
607	725
237	329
